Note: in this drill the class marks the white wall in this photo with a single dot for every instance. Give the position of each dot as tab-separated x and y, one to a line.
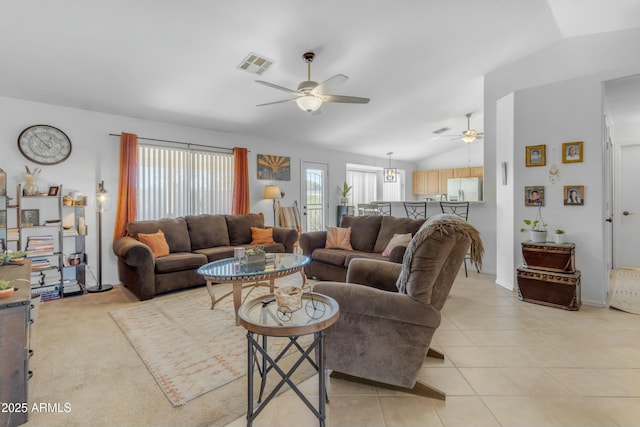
505	256
598	57
95	155
564	112
466	155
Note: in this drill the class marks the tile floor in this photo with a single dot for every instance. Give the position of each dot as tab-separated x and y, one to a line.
508	363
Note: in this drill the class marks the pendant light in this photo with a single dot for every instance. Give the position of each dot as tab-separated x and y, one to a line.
390	174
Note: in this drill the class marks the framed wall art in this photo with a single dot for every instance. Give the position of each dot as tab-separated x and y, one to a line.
534	195
536	155
574	195
30	217
572	152
275	168
53	190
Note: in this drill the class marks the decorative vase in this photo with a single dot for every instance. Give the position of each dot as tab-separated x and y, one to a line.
538	236
558	238
344	201
30	185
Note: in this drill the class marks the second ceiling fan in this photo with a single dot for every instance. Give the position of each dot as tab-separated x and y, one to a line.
470	135
311	95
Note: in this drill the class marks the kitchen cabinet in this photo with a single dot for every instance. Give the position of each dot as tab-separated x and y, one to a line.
434	181
419	182
462	173
444	176
477	171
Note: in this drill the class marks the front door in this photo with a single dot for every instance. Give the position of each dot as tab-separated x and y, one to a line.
314	196
627	210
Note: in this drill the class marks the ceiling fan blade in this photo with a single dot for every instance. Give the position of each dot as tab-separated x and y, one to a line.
282	88
276	102
345	99
330	84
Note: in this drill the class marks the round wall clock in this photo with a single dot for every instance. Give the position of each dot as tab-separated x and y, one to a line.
44	144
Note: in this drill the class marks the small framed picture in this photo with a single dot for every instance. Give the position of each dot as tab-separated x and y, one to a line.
574	195
53	190
30	217
534	195
536	155
572	152
3	219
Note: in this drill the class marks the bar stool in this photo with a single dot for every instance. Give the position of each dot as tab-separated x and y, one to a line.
416	209
382	208
462	210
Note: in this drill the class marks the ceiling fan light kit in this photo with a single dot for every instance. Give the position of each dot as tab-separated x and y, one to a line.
310	95
309	103
469	135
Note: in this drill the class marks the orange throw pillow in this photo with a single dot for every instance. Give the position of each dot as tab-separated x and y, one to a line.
261	236
338	238
157	243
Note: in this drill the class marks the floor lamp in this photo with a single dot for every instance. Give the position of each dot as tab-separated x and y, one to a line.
103	204
272	192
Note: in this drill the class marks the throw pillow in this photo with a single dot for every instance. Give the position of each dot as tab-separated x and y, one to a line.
261	236
396	240
157	242
338	238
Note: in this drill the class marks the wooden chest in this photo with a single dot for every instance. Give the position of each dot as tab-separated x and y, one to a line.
549	256
560	290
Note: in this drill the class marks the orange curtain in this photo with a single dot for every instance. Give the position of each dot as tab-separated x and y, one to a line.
240	203
127	208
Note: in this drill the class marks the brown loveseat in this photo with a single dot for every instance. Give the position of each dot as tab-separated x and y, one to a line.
370	235
193	241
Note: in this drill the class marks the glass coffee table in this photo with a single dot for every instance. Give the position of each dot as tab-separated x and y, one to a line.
263	318
229	270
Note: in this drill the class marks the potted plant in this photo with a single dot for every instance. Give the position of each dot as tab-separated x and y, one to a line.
558	236
537	228
254	259
6	290
9	256
344	193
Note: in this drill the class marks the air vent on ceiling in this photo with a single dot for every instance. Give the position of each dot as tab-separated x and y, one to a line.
441	130
255	64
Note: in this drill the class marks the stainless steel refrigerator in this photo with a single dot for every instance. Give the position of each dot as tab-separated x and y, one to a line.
464	189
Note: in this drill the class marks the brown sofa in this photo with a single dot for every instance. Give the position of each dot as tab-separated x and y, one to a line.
193	241
370	235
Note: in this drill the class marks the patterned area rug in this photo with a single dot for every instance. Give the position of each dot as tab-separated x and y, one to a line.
626	290
189	348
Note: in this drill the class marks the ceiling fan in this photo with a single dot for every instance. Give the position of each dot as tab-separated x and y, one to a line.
310	95
470	135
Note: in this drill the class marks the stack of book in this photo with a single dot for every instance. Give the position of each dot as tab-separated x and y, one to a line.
46	292
46	284
40	245
40	264
71	288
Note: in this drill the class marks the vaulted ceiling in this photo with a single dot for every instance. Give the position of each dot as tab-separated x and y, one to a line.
420	62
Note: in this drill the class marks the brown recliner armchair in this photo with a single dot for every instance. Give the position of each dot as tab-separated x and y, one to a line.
389	312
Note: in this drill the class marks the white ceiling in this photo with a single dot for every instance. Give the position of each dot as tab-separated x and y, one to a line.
421	62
